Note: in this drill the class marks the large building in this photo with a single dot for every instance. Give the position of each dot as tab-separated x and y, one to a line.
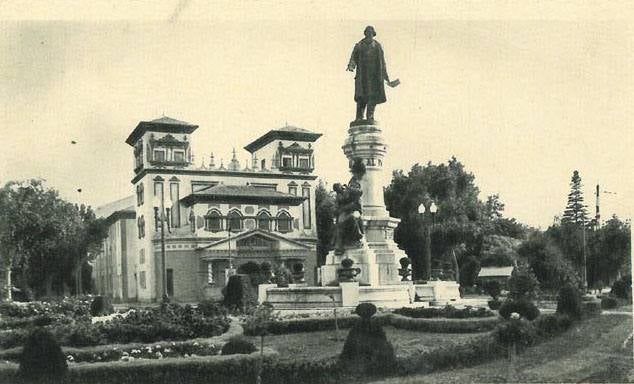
214	215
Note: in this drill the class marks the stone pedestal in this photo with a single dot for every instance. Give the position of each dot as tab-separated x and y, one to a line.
378	257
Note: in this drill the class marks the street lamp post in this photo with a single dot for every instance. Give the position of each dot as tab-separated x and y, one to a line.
161	215
425	212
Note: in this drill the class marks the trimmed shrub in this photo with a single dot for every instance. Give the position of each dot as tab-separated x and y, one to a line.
210	308
238	345
552	324
493	288
622	288
101	306
239	294
495	304
42	359
569	302
365	310
525	308
367	347
609	303
523	285
520	332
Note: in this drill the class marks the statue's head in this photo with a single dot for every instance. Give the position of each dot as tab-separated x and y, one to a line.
369	31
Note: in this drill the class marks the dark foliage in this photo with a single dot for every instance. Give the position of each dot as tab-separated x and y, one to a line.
365	310
609	303
495	304
523	285
367	348
569	302
525	308
440	325
520	332
238	345
448	312
239	293
622	288
42	359
210	308
552	324
101	306
493	288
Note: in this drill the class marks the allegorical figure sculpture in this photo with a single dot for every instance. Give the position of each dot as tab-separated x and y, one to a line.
349	229
368	60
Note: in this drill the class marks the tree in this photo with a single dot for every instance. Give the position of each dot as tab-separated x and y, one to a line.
608	251
46	237
499	251
575	212
325	212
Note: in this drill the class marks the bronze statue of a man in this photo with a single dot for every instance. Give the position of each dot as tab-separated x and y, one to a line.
349	228
368	59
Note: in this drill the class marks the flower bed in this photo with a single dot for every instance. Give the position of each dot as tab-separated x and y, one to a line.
167	322
440	325
68	306
448	312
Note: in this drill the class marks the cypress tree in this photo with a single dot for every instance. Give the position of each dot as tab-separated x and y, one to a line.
575	212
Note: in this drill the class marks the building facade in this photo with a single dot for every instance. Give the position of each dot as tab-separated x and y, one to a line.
213	215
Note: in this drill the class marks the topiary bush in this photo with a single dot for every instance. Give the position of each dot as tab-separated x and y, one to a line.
367	347
101	306
42	359
526	308
493	288
520	332
523	285
609	303
569	302
495	304
238	345
552	324
239	294
622	288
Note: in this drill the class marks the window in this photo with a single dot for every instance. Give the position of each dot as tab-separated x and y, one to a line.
141	256
304	162
213	221
287	161
179	156
306	207
264	221
284	222
234	221
159	155
139	194
292	190
175	209
210	273
141	226
263	163
143	281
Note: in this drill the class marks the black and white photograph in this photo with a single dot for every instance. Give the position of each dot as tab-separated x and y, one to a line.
268	191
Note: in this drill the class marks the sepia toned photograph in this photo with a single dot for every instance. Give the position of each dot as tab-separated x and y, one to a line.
316	192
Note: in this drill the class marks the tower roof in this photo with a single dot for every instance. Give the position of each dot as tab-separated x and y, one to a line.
287	132
162	124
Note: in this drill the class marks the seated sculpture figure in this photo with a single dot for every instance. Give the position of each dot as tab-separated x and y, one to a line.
349	229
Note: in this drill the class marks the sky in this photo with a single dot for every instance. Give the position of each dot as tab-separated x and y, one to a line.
521	102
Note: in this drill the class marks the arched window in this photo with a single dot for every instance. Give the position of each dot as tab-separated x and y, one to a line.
264	221
213	221
284	222
234	221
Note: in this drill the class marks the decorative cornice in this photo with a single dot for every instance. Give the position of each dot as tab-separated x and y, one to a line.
217	172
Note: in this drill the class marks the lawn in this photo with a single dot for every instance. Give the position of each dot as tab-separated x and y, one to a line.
322	344
592	351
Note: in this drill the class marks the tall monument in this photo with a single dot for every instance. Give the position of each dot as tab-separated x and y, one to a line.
376	254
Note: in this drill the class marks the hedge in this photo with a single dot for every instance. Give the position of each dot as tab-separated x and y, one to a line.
471	325
204	370
438	325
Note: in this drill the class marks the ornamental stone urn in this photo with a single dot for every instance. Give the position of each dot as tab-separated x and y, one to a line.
298	273
346	273
405	272
267	272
